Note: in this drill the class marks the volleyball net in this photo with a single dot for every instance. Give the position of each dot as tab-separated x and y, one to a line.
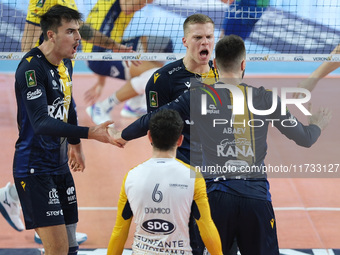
294	30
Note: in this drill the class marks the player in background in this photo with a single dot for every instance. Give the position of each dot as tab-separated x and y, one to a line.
32	30
323	70
49	144
159	194
241	16
111	18
136	78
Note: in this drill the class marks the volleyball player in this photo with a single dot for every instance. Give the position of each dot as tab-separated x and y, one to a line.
240	201
160	194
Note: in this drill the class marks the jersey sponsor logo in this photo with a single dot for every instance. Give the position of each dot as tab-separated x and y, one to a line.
59	108
175	69
71	195
239	146
153	98
31	79
54	213
55	85
157	226
34	95
54	198
212	109
155	77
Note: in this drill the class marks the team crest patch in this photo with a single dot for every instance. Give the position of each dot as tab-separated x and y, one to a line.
30	78
40	3
153	99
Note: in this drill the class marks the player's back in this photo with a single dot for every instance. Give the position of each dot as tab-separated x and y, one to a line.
160	193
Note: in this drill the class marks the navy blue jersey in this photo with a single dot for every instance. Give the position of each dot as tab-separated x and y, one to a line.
241	146
47	118
167	84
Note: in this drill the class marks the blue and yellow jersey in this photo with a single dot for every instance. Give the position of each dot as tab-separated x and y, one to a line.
107	17
160	194
167	84
46	117
235	143
37	8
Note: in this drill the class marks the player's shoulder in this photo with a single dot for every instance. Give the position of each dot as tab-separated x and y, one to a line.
32	59
171	68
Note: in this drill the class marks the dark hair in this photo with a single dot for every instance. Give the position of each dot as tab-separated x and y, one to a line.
229	52
165	128
196	19
52	19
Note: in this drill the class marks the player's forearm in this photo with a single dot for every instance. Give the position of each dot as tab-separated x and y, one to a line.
95	37
324	69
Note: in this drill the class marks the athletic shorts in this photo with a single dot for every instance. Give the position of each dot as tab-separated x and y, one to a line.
251	221
47	200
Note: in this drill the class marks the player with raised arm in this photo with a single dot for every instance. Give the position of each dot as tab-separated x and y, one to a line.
323	70
240	201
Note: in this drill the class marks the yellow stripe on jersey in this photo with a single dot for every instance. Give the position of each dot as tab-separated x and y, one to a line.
97	17
244	141
36	8
120	231
66	83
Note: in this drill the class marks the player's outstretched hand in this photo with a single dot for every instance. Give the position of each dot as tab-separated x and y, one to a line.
321	118
101	133
308	84
117	136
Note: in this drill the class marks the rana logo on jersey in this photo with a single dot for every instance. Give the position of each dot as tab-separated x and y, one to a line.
31	78
158	226
153	98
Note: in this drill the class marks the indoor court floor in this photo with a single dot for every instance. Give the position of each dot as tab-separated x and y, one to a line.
307	206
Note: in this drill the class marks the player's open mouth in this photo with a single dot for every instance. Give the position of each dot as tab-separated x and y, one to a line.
204	53
75	48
